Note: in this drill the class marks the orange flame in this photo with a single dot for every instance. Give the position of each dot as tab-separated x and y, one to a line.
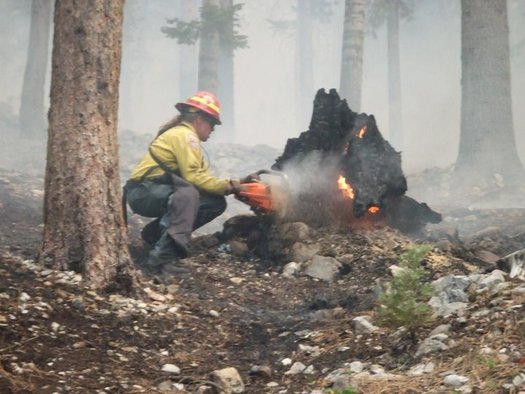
362	132
345	187
373	210
347	191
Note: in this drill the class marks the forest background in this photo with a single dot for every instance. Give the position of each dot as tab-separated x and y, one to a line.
276	75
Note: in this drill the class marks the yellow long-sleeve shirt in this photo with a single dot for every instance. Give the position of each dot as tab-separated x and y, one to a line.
179	148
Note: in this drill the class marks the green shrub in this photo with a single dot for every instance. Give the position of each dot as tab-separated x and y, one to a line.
404	301
349	390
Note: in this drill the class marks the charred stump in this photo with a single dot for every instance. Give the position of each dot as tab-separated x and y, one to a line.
343	143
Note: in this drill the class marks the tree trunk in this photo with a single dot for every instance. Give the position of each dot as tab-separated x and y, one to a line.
352	53
487	143
84	229
394	76
304	53
132	72
14	19
226	78
188	57
208	78
32	119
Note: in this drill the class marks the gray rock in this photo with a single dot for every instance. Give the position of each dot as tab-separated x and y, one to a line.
291	269
324	268
455	380
493	279
439	337
229	380
296	368
519	380
24	297
357	366
170	368
377	369
460	282
430	345
515	263
420	369
310	370
302	252
166	386
441	329
444	308
361	325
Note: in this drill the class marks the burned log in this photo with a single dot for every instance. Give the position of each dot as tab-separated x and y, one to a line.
345	150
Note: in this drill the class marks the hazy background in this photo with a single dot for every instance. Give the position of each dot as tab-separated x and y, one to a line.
265	77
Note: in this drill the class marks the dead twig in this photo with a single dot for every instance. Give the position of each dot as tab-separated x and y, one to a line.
20	343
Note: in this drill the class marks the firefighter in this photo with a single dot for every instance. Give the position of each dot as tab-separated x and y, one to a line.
173	183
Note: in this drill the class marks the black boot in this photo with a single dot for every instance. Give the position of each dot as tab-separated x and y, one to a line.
151	232
164	257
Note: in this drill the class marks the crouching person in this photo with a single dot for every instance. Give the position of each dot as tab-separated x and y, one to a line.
173	183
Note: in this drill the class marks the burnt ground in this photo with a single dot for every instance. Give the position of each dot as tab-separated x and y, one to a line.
239	311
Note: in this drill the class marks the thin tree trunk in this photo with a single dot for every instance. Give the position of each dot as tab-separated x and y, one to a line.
84	227
352	53
32	119
394	76
188	54
208	78
226	78
487	143
130	97
304	76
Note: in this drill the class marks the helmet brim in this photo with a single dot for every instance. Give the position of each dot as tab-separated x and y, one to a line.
184	108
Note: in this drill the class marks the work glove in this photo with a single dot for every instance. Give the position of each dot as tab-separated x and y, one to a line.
250	178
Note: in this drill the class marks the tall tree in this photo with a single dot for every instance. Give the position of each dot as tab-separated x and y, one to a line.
217	33
226	72
487	143
352	53
15	17
133	78
208	78
32	120
84	228
304	74
304	31
188	54
391	12
395	119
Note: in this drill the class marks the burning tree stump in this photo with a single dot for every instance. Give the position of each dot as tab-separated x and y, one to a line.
342	170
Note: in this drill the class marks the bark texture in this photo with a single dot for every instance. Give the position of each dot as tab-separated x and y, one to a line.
487	143
32	119
84	228
352	52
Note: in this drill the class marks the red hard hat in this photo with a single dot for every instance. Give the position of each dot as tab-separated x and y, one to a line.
203	101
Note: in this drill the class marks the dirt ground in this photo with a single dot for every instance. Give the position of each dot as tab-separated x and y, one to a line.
58	337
